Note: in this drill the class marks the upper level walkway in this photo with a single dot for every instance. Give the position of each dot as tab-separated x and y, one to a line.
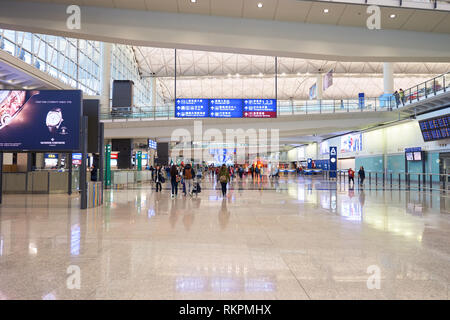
426	96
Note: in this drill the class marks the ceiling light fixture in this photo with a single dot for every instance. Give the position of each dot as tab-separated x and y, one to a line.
193	1
260	5
392	16
325	10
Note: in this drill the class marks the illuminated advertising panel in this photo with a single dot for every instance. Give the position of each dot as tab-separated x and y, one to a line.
47	120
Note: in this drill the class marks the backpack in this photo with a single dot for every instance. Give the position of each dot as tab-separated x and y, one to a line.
188	174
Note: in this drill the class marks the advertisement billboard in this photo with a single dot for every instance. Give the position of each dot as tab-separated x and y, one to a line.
47	120
351	143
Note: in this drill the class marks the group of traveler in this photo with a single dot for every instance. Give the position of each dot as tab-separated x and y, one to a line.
361	175
183	174
400	97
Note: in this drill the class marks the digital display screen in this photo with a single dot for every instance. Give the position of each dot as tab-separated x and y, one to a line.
152	144
417	156
47	120
409	156
436	128
226	108
76	158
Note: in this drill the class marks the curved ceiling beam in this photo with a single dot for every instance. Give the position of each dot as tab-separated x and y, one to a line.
223	34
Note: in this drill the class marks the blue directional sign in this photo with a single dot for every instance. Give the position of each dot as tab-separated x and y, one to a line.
333	162
268	105
192	108
225	108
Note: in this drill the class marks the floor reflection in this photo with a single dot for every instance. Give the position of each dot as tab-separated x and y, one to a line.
286	238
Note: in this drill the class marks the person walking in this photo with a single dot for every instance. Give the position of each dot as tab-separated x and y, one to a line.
188	174
224	178
351	177
241	172
397	98
174	179
158	178
402	96
361	175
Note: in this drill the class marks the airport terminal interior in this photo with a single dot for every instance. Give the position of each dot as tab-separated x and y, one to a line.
224	150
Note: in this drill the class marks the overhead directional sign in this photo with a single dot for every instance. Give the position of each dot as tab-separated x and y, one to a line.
192	108
226	108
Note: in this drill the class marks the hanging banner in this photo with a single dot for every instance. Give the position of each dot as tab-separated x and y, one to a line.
333	162
361	100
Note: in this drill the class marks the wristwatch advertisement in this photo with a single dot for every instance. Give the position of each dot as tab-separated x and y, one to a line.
53	120
40	120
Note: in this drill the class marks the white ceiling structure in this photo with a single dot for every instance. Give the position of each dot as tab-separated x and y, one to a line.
212	74
341	13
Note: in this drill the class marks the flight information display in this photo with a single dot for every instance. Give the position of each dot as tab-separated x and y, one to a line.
435	128
226	108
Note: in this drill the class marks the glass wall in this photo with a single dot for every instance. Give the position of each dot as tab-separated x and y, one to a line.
75	62
125	67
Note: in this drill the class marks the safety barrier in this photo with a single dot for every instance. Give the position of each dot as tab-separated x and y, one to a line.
120	178
400	180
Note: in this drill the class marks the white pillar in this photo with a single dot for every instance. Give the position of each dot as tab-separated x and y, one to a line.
319	86
106	78
388	77
154	92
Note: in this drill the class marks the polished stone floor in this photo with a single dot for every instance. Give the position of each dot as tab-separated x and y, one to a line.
295	238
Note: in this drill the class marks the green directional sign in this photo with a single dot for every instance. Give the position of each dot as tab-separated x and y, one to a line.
108	165
139	160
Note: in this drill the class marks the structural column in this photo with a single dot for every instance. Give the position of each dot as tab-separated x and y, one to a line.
106	77
319	86
154	92
388	77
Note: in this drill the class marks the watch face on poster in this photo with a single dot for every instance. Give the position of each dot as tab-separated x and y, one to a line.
54	119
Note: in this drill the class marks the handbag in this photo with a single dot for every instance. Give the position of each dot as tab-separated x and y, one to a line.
178	179
223	179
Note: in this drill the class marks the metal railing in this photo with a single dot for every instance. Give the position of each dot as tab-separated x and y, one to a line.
424	90
284	108
427	89
396	180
